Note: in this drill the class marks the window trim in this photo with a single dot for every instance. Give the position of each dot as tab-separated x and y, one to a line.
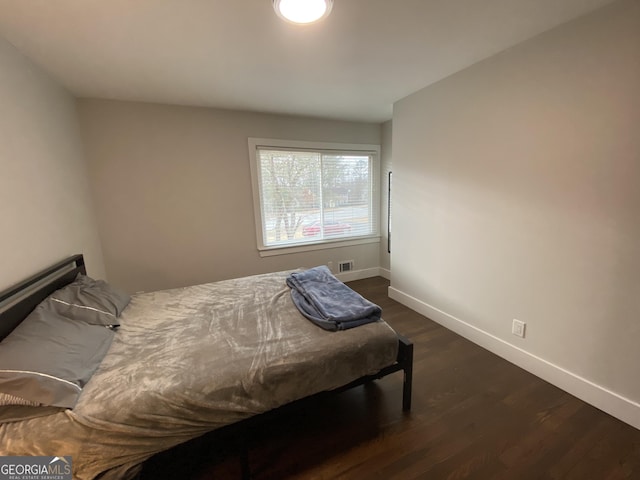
371	149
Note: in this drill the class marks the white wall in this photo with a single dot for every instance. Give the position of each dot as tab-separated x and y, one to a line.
516	196
173	191
45	205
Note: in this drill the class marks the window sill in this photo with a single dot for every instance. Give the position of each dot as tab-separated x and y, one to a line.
287	250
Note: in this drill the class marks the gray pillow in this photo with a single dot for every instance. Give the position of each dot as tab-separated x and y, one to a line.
17	413
47	359
91	301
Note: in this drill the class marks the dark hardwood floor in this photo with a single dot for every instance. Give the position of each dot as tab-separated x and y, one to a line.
474	416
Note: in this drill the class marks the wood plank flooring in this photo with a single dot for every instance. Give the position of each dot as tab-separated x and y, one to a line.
474	416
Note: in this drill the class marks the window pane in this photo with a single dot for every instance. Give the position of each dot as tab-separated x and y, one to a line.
291	194
346	193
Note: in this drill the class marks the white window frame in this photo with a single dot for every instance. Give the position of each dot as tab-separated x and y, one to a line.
356	148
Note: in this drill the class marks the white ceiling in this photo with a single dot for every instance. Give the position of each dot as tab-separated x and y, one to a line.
237	54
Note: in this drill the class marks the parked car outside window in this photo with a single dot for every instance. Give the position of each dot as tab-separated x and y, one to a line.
330	228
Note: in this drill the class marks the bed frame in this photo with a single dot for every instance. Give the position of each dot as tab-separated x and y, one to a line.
18	301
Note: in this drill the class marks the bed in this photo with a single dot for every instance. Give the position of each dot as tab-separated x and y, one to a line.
181	363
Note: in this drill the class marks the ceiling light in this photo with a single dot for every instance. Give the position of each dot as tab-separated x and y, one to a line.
302	11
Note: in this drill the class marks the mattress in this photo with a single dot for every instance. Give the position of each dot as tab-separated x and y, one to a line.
190	360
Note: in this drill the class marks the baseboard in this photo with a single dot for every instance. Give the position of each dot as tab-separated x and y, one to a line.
384	273
600	397
358	274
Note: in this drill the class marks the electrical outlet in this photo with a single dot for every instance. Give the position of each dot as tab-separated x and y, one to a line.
518	328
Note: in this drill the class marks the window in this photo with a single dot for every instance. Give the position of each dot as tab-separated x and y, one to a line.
308	194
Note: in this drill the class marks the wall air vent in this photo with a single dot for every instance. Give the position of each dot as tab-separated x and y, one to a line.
346	266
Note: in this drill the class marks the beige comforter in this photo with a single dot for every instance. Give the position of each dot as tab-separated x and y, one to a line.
190	360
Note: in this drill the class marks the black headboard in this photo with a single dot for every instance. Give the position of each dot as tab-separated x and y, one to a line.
19	301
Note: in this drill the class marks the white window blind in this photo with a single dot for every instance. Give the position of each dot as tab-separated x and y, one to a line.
309	196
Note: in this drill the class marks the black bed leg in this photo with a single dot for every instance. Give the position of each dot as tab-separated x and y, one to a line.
408	378
244	463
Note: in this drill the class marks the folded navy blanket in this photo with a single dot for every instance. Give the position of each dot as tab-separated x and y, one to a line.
328	302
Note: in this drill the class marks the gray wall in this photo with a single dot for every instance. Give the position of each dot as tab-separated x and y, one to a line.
173	191
45	205
386	164
516	196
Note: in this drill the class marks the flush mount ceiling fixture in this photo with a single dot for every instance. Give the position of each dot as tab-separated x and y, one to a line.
302	11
